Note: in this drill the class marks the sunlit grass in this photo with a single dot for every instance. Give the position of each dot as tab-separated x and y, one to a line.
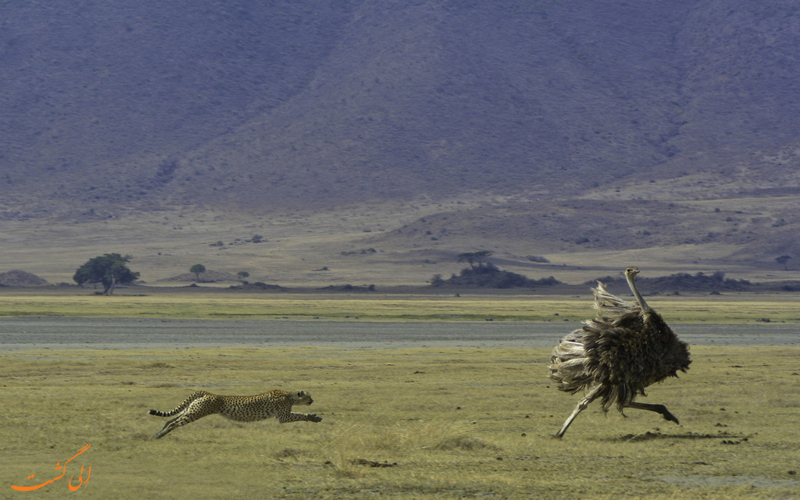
386	307
414	423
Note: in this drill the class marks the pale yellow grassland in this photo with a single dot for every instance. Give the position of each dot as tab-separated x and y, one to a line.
744	308
446	423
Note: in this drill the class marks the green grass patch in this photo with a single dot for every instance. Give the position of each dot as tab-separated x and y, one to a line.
414	423
733	309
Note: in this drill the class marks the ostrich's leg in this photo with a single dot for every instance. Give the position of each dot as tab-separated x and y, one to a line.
582	404
656	408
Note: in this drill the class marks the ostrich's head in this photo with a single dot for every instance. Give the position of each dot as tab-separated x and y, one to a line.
631	272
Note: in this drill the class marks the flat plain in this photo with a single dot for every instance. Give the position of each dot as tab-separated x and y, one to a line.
435	422
225	304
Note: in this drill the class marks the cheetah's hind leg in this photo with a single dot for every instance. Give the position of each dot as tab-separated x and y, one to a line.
188	411
169	426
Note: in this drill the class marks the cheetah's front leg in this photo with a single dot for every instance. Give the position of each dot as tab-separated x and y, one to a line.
299	417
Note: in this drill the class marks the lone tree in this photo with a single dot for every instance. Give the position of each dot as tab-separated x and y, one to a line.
783	259
108	269
243	275
472	257
197	269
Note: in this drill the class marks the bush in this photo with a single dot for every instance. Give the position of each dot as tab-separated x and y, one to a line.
489	276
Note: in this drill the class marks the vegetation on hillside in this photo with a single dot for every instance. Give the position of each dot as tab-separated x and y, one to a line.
490	276
483	274
684	282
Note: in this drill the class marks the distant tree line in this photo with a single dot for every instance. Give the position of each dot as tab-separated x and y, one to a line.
699	282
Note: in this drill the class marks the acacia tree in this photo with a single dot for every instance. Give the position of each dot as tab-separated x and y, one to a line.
197	269
472	257
108	269
783	259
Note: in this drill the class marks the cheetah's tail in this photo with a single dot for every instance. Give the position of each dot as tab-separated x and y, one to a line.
180	407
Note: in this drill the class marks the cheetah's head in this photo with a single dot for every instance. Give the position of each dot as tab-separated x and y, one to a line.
301	398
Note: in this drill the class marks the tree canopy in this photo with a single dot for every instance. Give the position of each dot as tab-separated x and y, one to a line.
783	259
108	269
472	257
197	269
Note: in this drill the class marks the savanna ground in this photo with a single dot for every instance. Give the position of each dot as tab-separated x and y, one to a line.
206	303
400	423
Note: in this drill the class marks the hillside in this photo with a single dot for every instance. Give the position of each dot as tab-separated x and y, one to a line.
539	127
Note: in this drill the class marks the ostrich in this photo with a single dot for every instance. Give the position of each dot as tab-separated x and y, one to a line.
619	353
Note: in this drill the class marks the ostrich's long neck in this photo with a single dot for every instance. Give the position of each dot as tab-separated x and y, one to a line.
631	283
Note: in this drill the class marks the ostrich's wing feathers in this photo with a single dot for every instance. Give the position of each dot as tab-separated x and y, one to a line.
568	366
611	308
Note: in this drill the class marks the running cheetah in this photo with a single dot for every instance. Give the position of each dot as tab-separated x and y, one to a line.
240	408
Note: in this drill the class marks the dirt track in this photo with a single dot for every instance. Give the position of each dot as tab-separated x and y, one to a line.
103	333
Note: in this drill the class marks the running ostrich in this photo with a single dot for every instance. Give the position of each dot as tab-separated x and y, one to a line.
619	353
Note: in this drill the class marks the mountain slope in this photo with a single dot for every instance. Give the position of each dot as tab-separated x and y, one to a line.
584	132
437	101
265	105
99	99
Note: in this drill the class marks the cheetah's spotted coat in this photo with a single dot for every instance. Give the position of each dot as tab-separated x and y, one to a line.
240	408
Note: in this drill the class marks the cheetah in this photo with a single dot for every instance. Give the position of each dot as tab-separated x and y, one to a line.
240	408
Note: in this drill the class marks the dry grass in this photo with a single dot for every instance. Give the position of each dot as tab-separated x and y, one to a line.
158	303
417	423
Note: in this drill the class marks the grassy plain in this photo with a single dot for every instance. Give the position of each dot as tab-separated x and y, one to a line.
415	423
221	304
402	423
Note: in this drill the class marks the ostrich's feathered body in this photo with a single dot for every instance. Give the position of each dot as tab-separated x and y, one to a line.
619	353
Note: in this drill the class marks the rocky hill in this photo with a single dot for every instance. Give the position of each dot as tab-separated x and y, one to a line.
16	277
